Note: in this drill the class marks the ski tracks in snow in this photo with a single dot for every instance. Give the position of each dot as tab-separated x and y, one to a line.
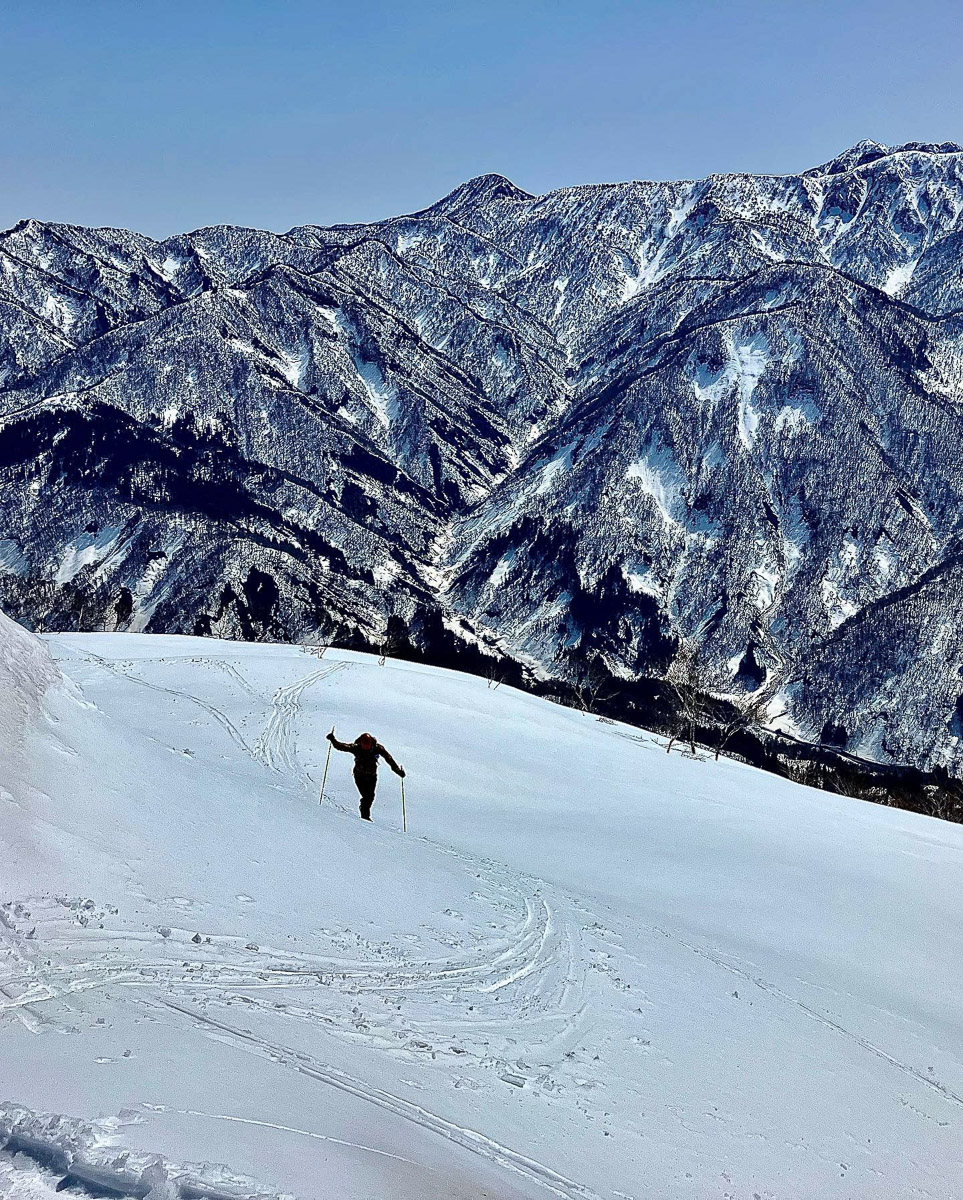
521	986
507	998
468	1139
490	1008
124	670
277	747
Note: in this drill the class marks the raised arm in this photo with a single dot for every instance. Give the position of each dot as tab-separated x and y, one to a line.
338	745
390	761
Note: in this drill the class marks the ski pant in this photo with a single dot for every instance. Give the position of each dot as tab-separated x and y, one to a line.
365	782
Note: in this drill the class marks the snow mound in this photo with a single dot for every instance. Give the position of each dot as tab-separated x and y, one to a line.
56	1153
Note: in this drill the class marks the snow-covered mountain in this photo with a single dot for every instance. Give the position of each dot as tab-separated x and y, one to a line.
589	970
580	429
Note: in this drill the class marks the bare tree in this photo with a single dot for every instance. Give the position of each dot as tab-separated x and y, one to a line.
747	711
593	688
945	802
318	650
386	646
495	674
846	784
43	603
688	683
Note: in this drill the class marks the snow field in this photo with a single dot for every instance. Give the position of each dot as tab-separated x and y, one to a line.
589	970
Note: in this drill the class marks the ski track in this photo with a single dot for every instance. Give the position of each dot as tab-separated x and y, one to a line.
308	1133
276	747
518	991
468	1139
827	1019
123	669
526	980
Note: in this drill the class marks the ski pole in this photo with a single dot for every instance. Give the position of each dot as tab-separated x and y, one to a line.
404	813
324	779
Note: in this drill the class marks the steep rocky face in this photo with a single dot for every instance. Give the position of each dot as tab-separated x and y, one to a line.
584	429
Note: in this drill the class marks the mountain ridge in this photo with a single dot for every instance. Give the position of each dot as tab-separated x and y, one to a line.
583	433
471	186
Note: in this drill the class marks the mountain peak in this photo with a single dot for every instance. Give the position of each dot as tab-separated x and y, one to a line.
863	152
479	191
868	151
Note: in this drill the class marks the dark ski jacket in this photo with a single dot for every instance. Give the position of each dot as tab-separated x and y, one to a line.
366	757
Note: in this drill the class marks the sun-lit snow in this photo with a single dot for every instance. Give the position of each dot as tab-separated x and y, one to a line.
406	241
838	607
154	583
679	213
640	274
642	580
386	572
382	395
748	358
791	418
659	476
561	286
502	568
765	580
748	363
61	310
562	461
898	279
764	246
294	364
589	970
85	550
173	264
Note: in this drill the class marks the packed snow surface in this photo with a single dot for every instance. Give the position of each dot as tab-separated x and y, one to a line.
589	970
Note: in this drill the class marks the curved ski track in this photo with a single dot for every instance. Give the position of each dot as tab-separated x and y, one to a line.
276	747
123	669
468	1139
519	991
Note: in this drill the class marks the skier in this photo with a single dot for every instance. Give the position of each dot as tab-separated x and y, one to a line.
366	750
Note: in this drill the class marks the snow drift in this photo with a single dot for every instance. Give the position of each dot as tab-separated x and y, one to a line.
26	672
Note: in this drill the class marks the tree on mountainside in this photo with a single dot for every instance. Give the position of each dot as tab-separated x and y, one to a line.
593	686
688	681
745	713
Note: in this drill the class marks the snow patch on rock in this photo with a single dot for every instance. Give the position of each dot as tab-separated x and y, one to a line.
85	550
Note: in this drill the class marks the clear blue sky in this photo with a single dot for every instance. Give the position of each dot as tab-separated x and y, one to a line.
164	115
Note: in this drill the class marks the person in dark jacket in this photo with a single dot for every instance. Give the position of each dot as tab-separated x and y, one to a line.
366	750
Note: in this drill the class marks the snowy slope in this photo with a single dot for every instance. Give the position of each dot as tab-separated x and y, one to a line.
589	970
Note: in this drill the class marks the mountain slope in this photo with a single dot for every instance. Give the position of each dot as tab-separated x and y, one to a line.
572	978
583	430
